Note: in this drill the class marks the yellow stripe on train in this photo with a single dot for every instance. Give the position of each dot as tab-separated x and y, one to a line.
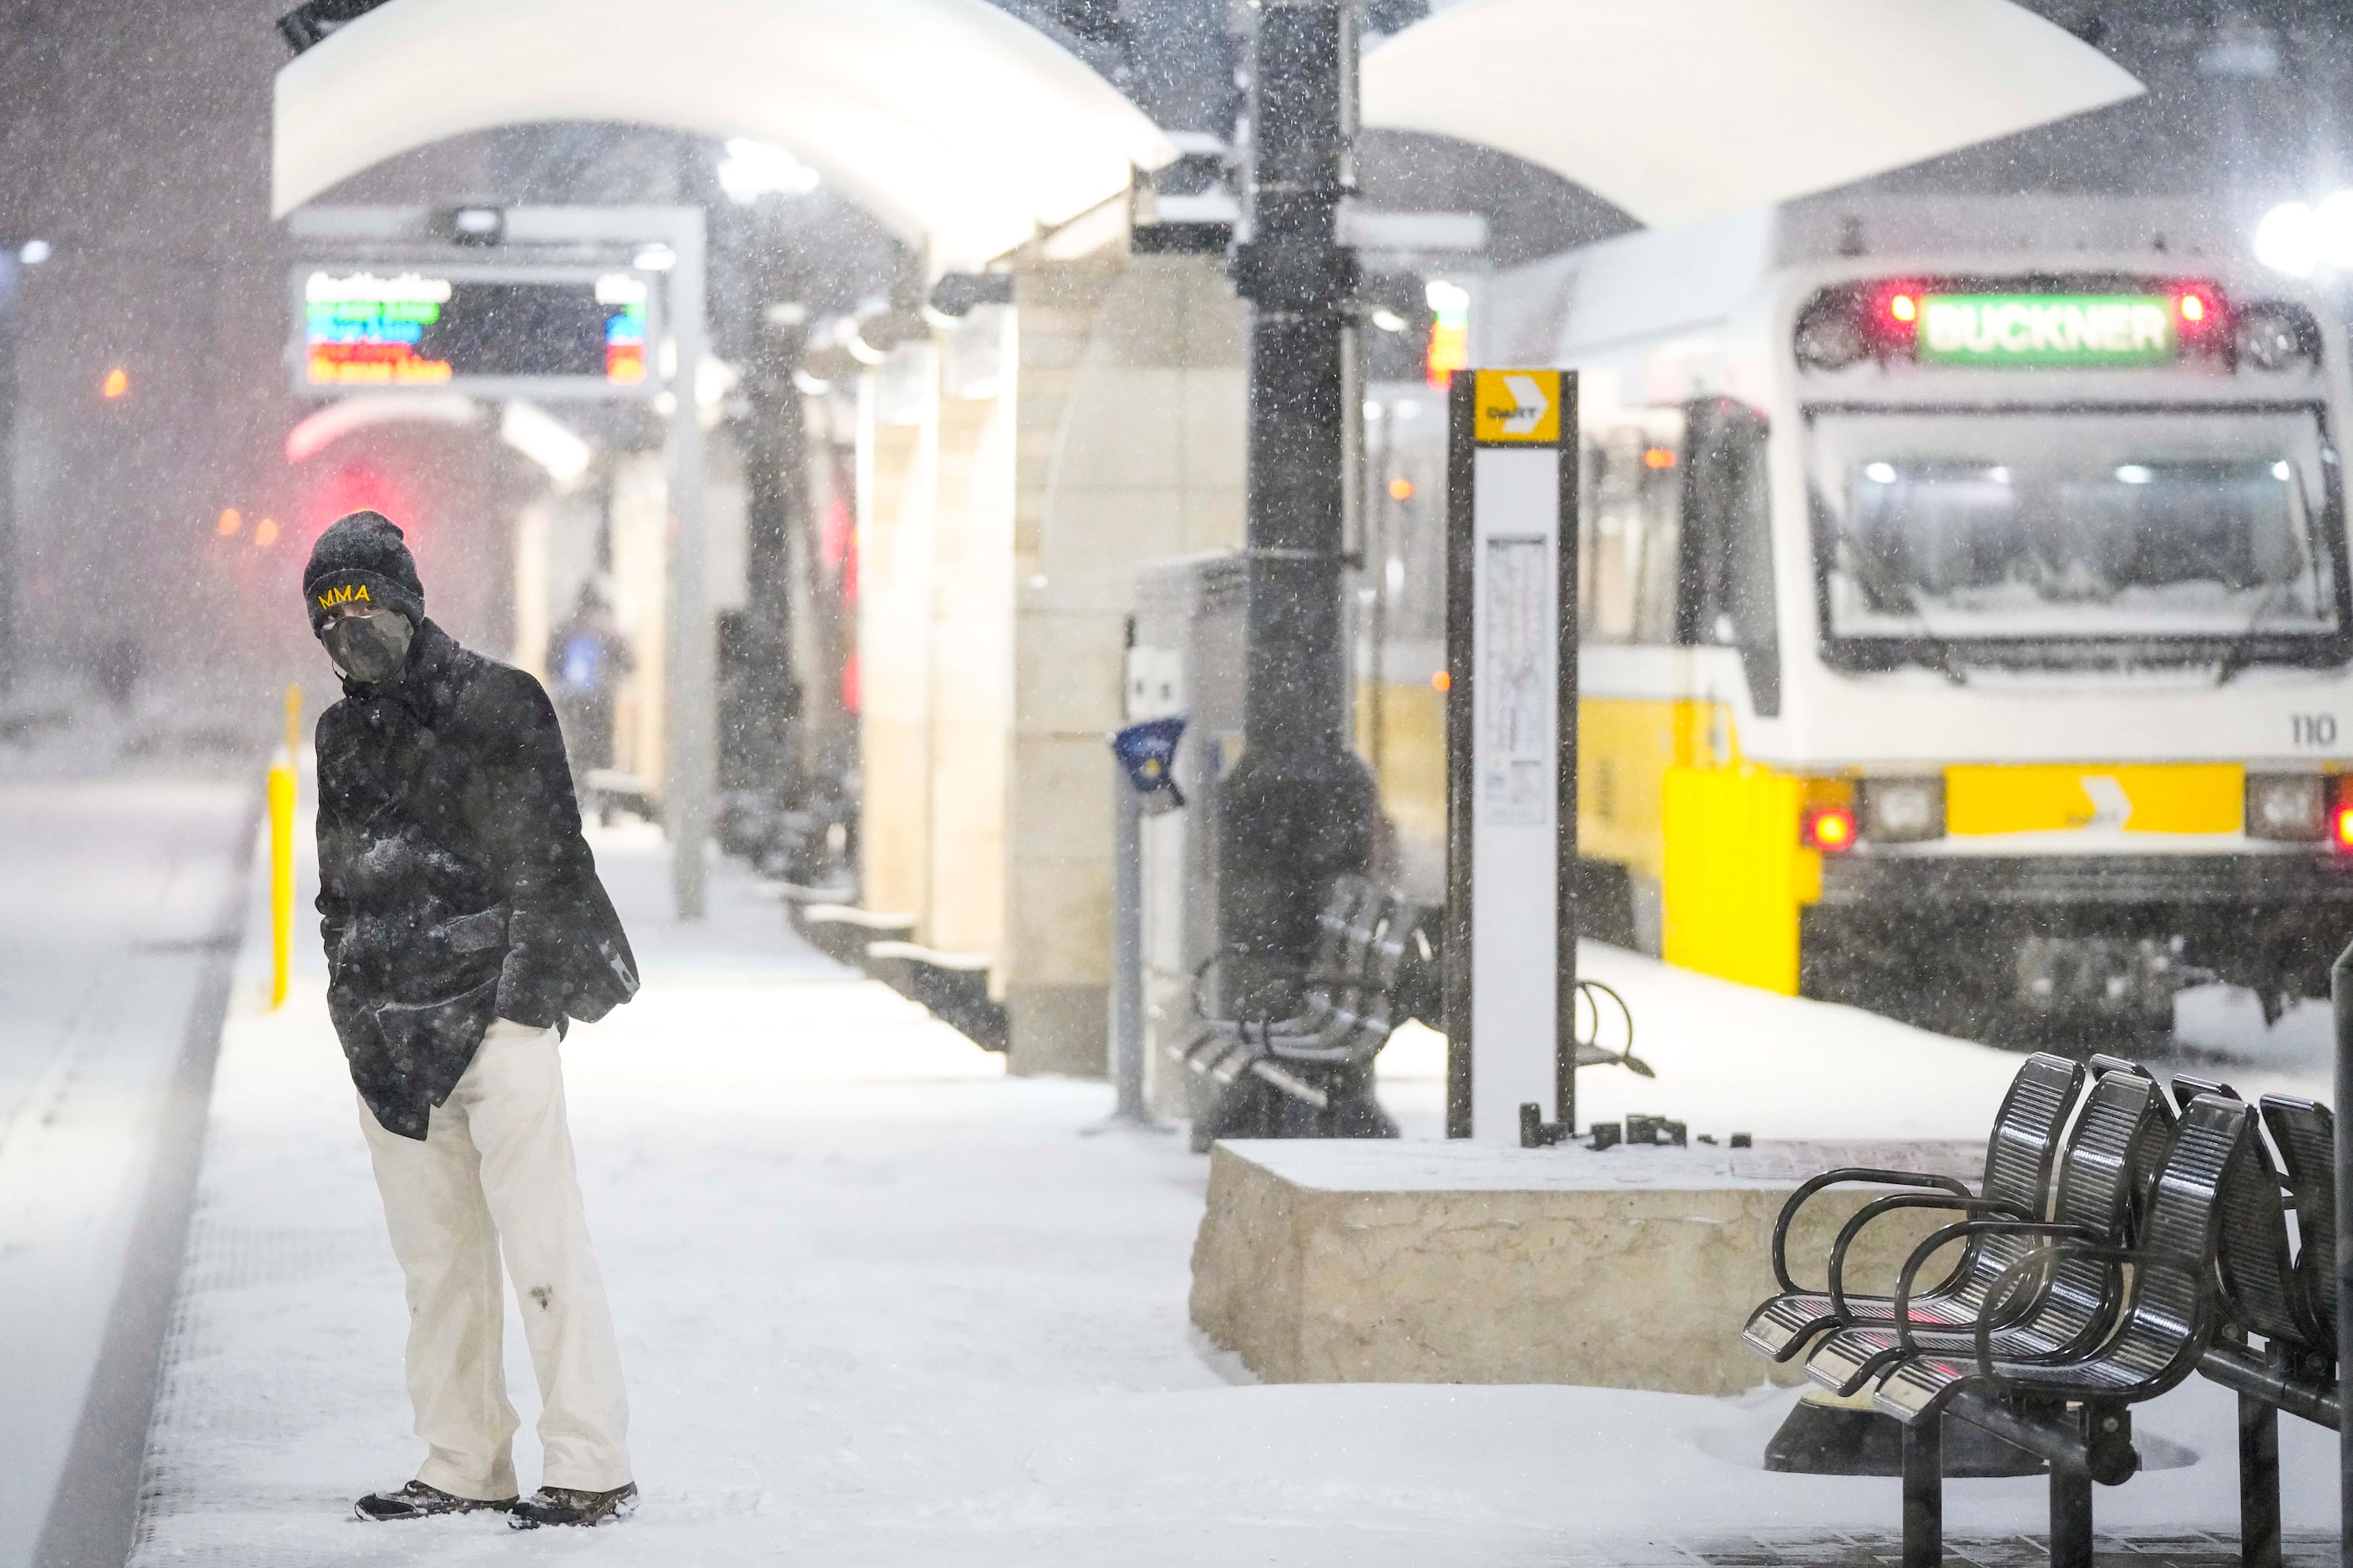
2135	797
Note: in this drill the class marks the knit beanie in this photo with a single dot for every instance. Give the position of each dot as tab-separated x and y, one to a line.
362	556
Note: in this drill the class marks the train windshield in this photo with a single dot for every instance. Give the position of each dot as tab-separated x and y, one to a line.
2057	535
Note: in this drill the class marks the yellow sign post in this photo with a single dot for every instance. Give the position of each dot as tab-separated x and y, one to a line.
281	851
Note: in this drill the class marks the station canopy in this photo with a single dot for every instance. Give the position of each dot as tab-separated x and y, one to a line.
1682	110
957	126
965	131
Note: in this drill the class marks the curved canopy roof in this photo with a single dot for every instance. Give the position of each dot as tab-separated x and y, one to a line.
1679	110
959	127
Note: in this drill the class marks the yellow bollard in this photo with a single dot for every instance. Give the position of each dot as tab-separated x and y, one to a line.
281	852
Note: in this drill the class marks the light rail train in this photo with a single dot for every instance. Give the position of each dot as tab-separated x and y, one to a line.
1965	616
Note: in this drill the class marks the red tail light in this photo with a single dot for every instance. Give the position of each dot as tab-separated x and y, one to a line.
1831	828
2340	814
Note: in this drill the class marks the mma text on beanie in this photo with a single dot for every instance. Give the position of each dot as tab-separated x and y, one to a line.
362	556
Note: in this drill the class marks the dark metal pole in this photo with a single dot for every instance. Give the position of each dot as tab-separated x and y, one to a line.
1298	808
11	306
1460	691
1566	710
2340	991
1924	1493
2259	1483
1127	951
775	509
2071	1517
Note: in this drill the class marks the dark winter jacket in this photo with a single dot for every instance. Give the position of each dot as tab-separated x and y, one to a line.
454	884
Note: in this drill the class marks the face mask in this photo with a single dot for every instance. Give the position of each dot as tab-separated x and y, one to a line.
369	648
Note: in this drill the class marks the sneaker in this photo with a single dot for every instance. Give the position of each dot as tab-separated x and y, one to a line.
564	1505
417	1501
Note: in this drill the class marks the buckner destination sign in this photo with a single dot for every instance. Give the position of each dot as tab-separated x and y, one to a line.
2046	330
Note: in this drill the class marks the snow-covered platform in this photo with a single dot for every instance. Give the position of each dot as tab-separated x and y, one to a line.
1630	1268
882	1304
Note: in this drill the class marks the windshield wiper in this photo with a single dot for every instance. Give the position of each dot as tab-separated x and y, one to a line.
1947	662
2240	652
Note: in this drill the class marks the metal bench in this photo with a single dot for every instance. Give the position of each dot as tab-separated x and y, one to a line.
2165	1248
2019	1158
2286	1296
2054	1312
2075	1410
1365	939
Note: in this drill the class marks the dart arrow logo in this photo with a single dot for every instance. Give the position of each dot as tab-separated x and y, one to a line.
1516	405
1529	405
2112	809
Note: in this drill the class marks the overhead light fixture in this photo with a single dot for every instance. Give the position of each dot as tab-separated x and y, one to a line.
751	170
33	252
2288	239
654	258
474	226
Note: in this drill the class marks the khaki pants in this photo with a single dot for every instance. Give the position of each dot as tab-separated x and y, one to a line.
495	1175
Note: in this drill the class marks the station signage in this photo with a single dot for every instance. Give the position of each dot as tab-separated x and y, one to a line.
2046	330
1511	754
505	331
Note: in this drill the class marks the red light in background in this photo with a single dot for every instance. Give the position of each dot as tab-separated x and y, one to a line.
2193	309
1904	308
116	384
1658	458
1832	829
231	520
2340	823
1401	489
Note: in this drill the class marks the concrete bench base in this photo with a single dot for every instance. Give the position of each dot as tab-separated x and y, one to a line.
1635	1268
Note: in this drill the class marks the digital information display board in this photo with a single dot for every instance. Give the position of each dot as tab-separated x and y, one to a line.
2053	330
547	332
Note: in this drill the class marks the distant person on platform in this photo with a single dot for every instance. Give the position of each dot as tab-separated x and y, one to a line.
588	656
464	922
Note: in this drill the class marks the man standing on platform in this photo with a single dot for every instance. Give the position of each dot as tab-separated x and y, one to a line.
464	924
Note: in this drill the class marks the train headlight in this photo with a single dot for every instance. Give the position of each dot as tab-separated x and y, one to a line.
1829	336
2293	807
2271	336
1903	811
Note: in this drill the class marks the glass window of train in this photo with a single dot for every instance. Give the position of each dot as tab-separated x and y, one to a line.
1590	466
2050	538
1661	466
1725	592
1631	524
1748	574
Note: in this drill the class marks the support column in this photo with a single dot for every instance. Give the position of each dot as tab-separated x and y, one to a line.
775	513
692	733
1298	808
